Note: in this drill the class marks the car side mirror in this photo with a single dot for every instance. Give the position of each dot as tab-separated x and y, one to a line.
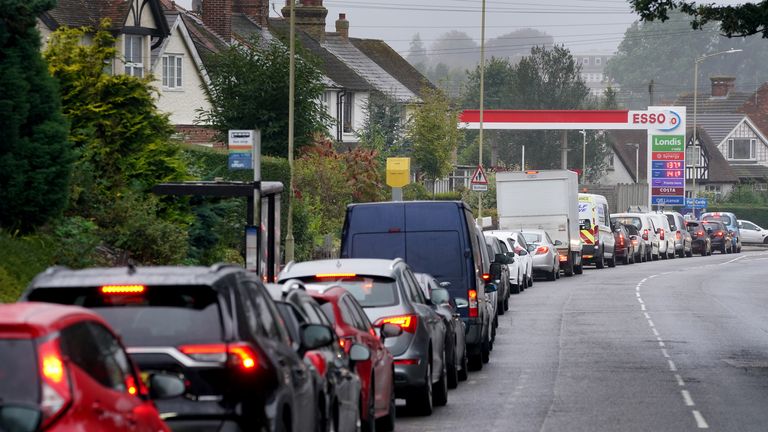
358	353
440	296
511	256
315	336
165	386
557	243
389	330
500	258
495	271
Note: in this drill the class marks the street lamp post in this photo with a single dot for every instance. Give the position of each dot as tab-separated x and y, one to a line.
289	239
584	157
482	107
696	105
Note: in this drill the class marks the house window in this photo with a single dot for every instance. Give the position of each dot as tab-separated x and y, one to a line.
585	60
693	156
348	113
611	160
134	55
325	100
598	60
172	71
741	149
714	189
760	187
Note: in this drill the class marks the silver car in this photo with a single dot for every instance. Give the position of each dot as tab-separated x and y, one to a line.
389	293
543	251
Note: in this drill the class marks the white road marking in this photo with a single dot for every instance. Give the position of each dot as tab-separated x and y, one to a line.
700	422
642	307
687	398
640	300
664	352
672	366
646	315
680	381
655	332
650	323
637	294
661	344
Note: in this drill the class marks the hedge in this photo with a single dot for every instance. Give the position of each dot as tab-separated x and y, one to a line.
21	258
750	212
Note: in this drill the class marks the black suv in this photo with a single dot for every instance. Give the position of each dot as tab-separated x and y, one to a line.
216	327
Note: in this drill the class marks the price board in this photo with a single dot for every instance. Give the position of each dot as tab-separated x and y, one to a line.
667	169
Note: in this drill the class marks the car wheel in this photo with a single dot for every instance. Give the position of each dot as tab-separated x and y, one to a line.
440	389
612	261
600	262
530	281
579	269
506	304
553	274
420	402
387	423
453	371
689	253
475	362
463	372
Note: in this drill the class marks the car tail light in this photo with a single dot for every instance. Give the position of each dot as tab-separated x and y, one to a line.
542	250
719	234
563	258
678	236
407	362
645	234
56	391
407	322
318	361
700	234
472	296
123	289
346	342
486	277
661	233
621	240
240	355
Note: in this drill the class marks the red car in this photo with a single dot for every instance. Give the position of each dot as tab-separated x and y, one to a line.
377	401
62	368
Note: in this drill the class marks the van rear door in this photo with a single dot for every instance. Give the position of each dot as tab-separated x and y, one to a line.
374	231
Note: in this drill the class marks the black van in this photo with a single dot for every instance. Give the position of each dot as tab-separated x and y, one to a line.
434	237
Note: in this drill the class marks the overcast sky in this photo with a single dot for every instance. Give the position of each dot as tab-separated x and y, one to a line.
584	26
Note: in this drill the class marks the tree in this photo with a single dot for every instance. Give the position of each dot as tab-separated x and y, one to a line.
735	20
249	89
383	128
434	134
610	99
417	54
518	43
456	50
35	154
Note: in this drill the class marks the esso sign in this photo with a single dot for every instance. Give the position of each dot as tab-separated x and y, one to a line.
666	120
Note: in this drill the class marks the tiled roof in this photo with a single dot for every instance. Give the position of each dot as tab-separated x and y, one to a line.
89	13
753	171
333	68
392	62
756	107
714	105
365	67
718	126
244	27
206	41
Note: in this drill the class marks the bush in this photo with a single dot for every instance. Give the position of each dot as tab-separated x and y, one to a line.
75	240
415	192
448	196
21	258
750	212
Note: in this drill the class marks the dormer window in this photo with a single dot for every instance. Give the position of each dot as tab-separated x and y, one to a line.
741	149
134	55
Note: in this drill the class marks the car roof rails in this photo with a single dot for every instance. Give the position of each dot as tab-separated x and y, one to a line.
222	265
395	262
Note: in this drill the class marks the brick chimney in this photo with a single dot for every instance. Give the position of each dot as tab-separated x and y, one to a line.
217	15
258	10
721	85
310	17
342	26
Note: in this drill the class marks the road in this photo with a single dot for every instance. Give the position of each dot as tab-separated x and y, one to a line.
672	345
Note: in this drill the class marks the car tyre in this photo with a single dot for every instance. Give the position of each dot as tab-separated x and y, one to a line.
530	281
475	362
387	423
440	388
600	262
553	274
612	261
514	289
420	401
453	374
485	352
579	269
689	253
463	373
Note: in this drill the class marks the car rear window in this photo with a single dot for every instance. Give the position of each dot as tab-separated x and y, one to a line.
18	372
532	237
369	291
631	229
715	225
160	316
725	219
629	220
671	220
438	253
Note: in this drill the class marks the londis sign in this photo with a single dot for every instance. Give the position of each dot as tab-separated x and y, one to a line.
664	120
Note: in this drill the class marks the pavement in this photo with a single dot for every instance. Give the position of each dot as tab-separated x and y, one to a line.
674	345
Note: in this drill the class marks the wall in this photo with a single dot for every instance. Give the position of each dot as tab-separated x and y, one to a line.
618	174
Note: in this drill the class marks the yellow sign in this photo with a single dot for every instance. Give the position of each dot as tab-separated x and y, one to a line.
398	172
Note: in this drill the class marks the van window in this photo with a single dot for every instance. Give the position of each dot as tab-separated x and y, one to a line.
672	221
603	214
724	218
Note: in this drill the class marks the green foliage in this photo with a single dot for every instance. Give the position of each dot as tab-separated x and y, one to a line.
610	100
249	89
434	134
415	192
745	194
75	240
448	196
734	20
21	258
383	129
751	212
35	156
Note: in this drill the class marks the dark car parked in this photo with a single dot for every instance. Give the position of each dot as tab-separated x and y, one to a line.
62	369
389	294
701	243
719	235
624	249
433	237
216	327
337	386
499	272
455	339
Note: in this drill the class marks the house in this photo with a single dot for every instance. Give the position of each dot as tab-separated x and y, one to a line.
726	116
152	38
712	171
593	72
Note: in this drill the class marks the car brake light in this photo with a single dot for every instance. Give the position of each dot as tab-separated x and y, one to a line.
563	258
123	289
719	234
407	362
407	322
486	277
645	234
130	385
661	233
318	361
334	275
678	236
56	392
472	296
237	354
542	250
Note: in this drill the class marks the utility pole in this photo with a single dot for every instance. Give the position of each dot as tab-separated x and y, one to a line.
564	150
650	92
482	93
289	239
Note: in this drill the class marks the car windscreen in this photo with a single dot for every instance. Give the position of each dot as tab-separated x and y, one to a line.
157	316
631	229
532	237
369	291
629	220
725	219
18	372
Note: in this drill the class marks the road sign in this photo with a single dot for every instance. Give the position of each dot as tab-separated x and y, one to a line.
697	202
479	180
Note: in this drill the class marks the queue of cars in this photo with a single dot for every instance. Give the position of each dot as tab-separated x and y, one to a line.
406	312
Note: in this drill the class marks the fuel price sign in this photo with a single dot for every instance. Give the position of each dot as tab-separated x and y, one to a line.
667	169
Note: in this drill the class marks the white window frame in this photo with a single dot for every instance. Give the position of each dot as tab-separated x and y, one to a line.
585	61
598	60
348	117
134	68
730	148
175	80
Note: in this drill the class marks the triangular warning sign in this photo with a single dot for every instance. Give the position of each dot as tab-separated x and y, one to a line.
479	176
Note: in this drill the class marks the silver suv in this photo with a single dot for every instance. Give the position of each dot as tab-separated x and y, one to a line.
389	293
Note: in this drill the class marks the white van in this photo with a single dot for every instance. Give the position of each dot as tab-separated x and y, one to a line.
595	230
645	227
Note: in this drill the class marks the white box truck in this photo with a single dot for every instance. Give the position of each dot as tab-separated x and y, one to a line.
547	200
